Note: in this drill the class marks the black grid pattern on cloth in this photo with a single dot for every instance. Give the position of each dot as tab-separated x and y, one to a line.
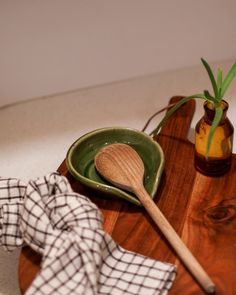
78	256
12	193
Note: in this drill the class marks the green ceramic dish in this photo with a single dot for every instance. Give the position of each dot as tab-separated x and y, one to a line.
80	159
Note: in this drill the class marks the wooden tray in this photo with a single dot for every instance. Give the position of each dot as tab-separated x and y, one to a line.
201	209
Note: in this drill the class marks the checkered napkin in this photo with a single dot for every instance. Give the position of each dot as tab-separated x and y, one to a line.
78	257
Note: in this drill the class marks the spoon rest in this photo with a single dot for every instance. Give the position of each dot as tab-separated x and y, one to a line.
81	154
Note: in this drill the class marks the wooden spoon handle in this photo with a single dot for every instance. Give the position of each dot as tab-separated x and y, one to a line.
183	252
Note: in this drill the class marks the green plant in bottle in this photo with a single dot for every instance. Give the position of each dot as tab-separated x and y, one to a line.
214	100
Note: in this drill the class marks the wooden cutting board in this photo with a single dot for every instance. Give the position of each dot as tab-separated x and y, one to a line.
202	210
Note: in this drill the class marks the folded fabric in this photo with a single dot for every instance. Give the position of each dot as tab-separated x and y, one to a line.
78	257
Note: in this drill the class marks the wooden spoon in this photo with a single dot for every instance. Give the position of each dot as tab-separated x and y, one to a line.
121	165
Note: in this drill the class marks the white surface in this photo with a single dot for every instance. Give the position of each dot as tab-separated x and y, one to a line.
54	46
35	135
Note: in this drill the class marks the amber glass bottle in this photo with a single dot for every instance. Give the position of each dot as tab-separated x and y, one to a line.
220	154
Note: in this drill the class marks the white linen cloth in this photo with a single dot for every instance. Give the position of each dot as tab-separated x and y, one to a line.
78	257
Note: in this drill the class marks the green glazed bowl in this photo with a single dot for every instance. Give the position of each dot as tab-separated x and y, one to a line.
80	159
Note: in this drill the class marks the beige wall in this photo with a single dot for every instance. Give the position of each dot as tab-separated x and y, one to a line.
52	46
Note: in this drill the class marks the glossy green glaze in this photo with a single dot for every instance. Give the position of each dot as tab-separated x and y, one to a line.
80	159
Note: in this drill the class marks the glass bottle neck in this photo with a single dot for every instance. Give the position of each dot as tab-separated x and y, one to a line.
210	111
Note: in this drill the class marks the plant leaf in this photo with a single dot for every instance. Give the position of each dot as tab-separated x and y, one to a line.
212	78
209	97
228	79
215	123
219	82
173	109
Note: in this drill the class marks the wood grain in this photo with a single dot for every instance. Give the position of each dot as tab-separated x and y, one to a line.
201	209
